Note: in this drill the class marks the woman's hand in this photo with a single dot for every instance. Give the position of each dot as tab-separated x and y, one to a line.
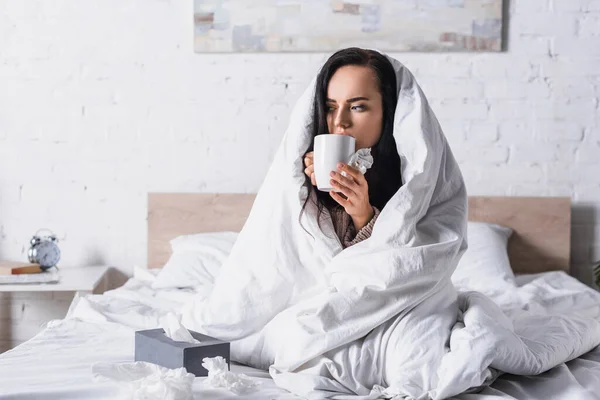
309	162
356	191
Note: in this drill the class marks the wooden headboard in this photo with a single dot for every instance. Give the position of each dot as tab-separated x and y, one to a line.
541	239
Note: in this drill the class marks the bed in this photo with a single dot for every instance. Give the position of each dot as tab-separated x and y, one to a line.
100	328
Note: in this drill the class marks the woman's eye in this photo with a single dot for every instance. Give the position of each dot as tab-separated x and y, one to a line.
358	108
330	109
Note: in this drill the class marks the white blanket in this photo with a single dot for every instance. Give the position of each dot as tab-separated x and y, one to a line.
380	317
57	363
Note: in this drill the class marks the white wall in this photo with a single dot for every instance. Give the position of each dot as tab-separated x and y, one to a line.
102	101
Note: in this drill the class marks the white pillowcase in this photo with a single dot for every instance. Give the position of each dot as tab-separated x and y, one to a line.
195	260
485	265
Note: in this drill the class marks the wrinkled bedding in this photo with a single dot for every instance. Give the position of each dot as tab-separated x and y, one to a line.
56	364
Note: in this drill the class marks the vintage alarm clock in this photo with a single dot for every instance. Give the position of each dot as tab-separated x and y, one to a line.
44	250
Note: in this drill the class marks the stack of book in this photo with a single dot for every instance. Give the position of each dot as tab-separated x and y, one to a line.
19	272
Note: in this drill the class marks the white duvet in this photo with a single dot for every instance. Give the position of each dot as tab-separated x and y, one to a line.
380	318
57	363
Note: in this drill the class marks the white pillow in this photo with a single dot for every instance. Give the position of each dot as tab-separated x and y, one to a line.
485	265
215	242
195	260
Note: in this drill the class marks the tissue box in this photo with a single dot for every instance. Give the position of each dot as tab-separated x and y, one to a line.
153	346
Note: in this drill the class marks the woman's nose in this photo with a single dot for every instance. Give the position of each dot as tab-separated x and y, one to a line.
342	120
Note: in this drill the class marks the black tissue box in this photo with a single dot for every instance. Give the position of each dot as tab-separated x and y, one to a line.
155	347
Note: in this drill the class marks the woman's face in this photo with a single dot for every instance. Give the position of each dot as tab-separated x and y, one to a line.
354	105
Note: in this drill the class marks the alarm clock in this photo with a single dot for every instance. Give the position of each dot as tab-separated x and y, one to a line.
44	250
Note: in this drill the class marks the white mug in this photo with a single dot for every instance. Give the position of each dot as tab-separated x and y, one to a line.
331	149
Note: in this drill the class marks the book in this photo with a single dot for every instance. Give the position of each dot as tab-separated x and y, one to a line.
18	268
42	277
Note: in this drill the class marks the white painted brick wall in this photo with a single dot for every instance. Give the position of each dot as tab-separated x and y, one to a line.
103	101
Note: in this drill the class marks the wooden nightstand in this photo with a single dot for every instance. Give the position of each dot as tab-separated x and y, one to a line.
82	281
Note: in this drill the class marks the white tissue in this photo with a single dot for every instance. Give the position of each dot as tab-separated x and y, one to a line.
361	160
220	377
175	330
145	381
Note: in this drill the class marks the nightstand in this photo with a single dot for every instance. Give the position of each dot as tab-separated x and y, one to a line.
26	308
82	281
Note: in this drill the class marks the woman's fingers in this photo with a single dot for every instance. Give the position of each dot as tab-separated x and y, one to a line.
339	199
310	172
346	191
347	181
348	177
352	172
309	162
309	159
354	187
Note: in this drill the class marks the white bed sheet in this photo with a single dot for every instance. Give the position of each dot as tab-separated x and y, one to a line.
56	364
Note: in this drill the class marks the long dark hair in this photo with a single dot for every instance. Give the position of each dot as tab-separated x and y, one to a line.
384	176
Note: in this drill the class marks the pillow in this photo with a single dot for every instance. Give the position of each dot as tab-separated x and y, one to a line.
195	260
213	242
485	266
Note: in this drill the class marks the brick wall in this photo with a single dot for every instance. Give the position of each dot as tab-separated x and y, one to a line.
103	101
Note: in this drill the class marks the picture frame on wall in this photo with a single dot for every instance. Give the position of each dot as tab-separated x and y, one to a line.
324	26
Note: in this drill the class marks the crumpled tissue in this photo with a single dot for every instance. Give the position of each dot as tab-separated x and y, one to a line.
174	329
220	377
141	380
361	160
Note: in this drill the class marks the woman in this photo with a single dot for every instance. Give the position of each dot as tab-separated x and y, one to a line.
347	304
356	95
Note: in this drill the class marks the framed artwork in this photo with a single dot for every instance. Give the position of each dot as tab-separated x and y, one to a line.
325	26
